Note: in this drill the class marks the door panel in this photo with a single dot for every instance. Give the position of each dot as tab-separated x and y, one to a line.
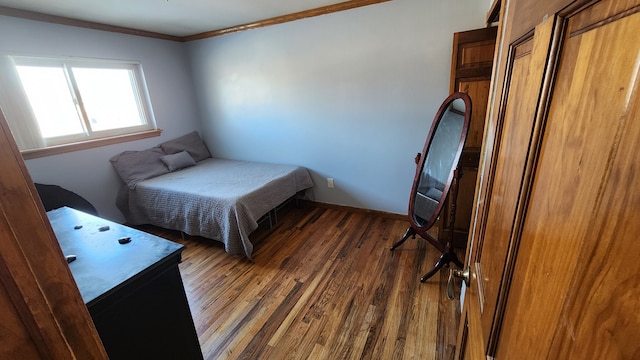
509	169
466	191
580	235
471	63
48	316
511	163
554	245
17	343
478	90
510	160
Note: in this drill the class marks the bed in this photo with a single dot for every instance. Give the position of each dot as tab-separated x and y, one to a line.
219	199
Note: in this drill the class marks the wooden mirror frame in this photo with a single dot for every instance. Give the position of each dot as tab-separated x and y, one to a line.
451	185
422	229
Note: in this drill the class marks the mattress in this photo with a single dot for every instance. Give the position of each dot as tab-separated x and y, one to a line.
217	198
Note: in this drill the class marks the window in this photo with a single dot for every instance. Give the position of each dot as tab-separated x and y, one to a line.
53	102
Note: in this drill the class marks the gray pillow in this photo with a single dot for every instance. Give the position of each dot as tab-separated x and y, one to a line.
178	161
135	166
192	143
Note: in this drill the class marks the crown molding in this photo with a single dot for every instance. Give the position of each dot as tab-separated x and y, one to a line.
62	20
347	5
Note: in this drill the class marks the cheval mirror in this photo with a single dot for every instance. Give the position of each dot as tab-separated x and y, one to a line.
437	175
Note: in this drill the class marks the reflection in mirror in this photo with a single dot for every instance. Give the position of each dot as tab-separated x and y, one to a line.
439	163
437	175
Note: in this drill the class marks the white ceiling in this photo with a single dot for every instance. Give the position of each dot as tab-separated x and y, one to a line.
170	17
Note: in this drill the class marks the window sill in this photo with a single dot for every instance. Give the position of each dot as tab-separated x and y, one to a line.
89	144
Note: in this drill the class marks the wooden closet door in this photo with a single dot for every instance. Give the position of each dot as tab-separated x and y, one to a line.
575	290
515	130
42	315
554	246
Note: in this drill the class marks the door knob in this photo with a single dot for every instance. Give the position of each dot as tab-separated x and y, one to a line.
461	274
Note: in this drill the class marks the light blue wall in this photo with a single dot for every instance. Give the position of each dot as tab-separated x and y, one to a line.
165	66
349	95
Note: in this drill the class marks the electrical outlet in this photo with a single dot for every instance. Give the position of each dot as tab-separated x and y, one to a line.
330	183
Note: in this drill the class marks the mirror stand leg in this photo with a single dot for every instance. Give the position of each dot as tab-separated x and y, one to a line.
448	256
410	232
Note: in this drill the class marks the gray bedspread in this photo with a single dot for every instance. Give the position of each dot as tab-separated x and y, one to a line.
218	199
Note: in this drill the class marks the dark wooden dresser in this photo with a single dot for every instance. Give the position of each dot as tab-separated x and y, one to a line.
131	285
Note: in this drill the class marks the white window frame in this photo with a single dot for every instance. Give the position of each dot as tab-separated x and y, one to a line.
13	99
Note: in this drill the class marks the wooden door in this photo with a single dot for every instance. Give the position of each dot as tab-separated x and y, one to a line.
555	235
471	66
514	129
43	315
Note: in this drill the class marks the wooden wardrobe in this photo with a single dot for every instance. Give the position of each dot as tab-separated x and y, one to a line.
471	65
554	241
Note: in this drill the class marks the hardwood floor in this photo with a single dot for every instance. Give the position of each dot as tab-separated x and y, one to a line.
323	285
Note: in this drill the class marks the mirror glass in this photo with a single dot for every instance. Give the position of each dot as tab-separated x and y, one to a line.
442	153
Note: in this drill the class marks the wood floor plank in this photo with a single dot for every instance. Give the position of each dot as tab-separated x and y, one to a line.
323	285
